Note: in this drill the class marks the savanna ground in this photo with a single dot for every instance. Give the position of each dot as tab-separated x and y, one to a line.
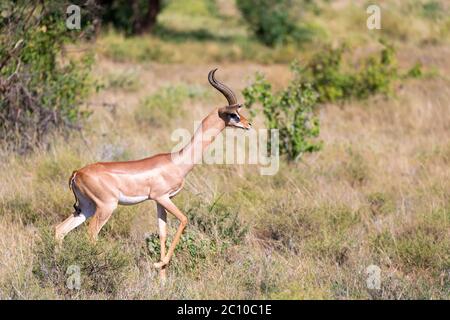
378	193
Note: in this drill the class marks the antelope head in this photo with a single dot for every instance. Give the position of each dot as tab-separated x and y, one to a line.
230	113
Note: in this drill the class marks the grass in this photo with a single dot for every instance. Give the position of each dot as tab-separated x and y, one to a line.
160	108
377	194
127	81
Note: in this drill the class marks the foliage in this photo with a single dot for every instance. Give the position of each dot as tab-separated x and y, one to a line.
327	75
270	20
433	10
212	229
40	90
219	222
190	250
102	265
291	111
415	71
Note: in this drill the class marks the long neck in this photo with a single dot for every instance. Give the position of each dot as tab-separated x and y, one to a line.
205	134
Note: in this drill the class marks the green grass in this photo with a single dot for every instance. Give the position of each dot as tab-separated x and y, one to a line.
160	108
422	246
127	81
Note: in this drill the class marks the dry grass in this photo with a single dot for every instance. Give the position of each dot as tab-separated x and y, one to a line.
378	193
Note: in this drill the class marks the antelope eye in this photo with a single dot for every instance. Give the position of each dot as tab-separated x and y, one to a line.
234	116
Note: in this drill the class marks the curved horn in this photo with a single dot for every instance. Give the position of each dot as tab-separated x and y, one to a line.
231	98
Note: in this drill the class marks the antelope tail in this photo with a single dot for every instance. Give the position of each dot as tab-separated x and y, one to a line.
71	182
71	179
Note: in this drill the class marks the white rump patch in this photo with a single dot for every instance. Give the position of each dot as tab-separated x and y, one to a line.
129	200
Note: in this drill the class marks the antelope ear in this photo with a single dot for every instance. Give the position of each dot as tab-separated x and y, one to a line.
232	108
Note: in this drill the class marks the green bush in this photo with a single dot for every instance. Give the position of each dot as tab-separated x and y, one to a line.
291	111
103	266
270	20
193	244
433	10
337	80
328	75
39	90
212	229
192	249
219	222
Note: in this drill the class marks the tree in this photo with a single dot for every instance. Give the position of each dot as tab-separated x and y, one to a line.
38	93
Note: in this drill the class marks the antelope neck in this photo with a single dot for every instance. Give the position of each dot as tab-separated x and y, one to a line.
192	153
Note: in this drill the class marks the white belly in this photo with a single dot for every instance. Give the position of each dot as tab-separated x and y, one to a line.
129	200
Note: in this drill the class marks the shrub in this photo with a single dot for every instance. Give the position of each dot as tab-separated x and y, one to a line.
211	231
195	245
102	265
38	92
270	20
433	10
192	248
330	76
327	75
219	222
290	111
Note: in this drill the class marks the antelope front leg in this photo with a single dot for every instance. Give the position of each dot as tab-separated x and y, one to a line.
162	228
170	206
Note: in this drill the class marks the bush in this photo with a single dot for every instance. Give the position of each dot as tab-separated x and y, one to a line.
330	76
38	92
218	222
327	75
212	230
270	20
103	266
192	248
290	111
